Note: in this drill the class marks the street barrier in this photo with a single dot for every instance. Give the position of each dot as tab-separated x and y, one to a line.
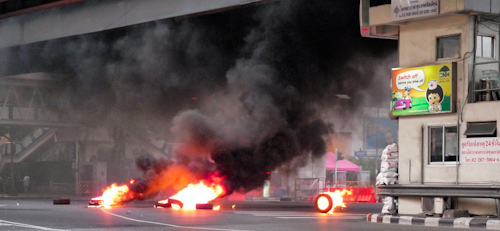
359	194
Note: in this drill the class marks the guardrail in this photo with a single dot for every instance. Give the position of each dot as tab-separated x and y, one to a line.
453	191
473	191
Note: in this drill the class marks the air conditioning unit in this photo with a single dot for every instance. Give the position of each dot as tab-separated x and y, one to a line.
432	205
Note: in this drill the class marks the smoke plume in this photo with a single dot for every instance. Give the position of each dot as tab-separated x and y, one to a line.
241	92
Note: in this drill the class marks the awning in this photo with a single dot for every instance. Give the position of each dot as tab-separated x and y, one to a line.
342	165
481	129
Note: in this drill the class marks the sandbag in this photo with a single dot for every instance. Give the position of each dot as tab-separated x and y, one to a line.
392	148
389	175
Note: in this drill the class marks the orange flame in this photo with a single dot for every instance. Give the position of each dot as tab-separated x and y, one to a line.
113	195
337	200
198	194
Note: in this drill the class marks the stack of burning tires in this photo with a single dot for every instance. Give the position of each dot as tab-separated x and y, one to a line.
388	175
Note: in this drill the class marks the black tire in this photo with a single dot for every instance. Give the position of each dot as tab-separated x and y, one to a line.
162	205
175	202
95	202
205	206
321	198
405	106
64	201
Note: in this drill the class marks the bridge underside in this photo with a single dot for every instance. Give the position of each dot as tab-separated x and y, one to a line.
77	17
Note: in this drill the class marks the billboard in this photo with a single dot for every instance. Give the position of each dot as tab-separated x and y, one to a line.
423	90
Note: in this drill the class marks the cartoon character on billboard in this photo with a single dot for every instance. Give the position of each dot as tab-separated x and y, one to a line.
402	100
434	95
407	92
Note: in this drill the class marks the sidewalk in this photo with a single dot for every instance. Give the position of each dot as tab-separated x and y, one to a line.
461	222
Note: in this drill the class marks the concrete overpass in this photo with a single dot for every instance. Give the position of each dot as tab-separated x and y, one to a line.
24	21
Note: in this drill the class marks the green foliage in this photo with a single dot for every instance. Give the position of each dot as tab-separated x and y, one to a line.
367	164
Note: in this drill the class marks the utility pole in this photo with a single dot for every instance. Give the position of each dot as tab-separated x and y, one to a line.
336	179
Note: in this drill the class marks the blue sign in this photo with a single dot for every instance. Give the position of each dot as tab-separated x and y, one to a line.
360	153
380	132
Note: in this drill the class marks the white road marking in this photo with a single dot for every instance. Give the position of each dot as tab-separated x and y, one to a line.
327	217
10	223
268	214
170	225
302	215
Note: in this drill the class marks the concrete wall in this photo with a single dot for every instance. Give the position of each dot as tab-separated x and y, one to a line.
418	48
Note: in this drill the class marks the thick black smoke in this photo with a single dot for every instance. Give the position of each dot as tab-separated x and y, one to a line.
243	92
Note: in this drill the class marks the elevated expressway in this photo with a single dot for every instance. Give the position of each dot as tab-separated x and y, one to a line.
23	21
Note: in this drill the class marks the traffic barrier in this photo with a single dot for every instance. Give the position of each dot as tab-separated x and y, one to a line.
366	195
358	194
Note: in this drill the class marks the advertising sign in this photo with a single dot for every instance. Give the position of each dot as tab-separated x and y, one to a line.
406	9
422	90
480	150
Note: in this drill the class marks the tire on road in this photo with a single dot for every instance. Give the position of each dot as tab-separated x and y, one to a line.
205	206
324	203
175	202
162	205
63	201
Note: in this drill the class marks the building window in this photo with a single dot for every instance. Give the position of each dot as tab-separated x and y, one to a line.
481	129
443	144
448	47
485	46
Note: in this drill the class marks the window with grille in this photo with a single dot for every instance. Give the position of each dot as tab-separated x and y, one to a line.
443	144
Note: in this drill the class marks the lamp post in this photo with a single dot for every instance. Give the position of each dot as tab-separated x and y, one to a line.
336	179
343	97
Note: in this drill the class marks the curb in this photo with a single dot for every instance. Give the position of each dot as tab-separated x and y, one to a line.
461	222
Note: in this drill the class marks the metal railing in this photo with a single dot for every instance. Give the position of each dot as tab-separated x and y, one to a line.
486	81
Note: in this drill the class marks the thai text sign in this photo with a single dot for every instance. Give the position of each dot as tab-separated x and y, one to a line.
422	90
480	150
406	9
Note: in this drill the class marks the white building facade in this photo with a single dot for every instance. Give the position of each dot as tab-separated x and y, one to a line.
451	154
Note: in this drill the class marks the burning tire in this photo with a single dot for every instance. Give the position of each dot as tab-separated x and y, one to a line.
63	201
324	203
95	203
205	206
162	205
175	202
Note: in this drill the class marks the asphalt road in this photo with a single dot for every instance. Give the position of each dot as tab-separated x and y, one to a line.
42	214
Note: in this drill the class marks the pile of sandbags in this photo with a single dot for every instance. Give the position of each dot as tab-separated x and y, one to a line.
388	166
390	205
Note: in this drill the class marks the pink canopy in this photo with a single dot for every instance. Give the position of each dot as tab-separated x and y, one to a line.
342	165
